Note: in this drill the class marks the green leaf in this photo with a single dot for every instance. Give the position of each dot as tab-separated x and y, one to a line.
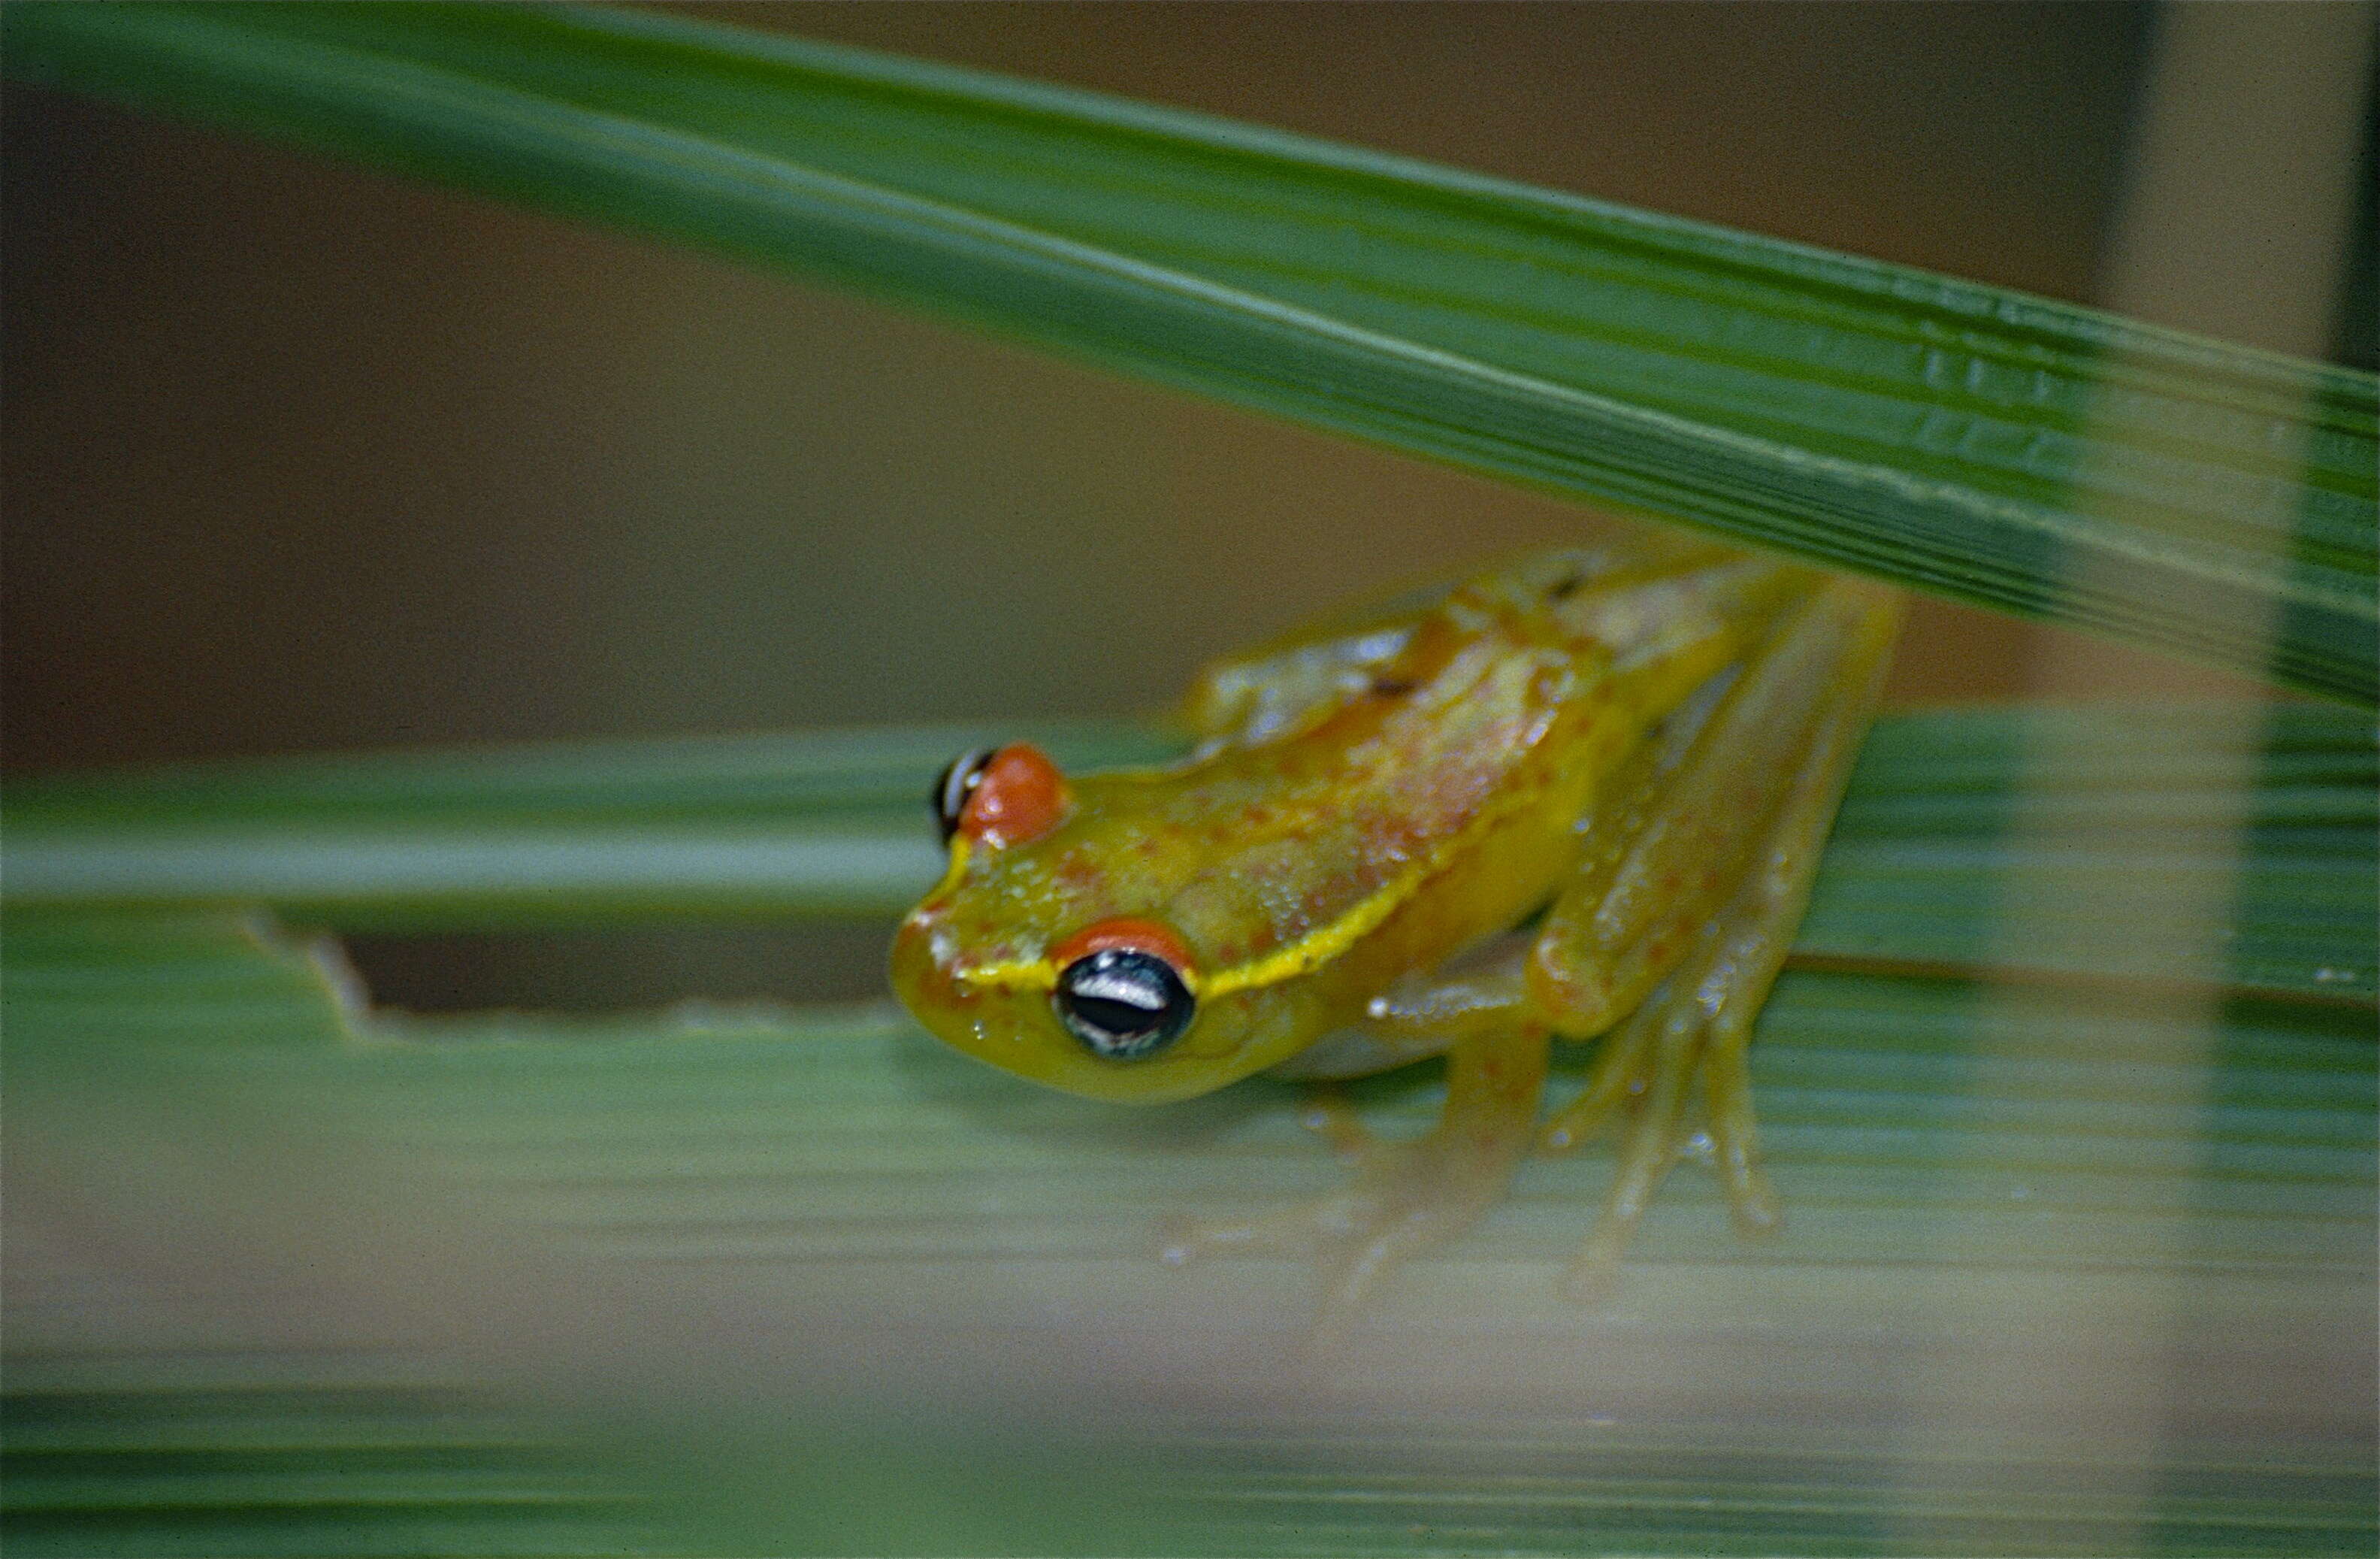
1981	444
1954	821
306	1279
514	1260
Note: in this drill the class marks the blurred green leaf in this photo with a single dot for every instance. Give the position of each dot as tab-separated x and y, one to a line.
751	1280
1958	438
2002	1197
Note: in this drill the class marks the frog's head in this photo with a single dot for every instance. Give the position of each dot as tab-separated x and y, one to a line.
1038	954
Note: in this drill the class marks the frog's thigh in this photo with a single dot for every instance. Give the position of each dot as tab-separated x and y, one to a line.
1246	699
1407	1197
1264	694
1704	898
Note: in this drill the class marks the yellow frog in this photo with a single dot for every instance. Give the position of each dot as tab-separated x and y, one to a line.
1645	740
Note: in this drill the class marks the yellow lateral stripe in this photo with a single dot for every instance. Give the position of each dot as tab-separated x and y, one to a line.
1316	947
1324	943
1027	975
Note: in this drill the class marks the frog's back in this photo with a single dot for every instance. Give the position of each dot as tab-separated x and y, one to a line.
1411	801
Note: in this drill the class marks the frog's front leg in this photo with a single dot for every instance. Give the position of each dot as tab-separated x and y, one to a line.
1407	1197
1682	922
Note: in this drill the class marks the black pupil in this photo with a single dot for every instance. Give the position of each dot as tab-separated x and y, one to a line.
1122	1003
954	786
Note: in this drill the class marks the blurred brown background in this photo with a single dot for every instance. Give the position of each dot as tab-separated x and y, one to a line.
300	456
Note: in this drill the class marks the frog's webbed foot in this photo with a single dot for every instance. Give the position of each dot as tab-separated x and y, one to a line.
1693	1030
1407	1197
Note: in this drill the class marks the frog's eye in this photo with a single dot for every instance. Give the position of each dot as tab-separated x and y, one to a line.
999	797
1123	1002
1123	988
952	788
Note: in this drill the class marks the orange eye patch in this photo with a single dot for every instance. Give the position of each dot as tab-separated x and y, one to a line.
1127	936
1019	795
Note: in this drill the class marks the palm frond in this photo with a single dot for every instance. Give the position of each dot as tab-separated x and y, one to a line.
1962	439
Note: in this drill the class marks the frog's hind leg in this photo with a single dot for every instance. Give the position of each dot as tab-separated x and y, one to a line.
1687	918
1407	1197
1277	690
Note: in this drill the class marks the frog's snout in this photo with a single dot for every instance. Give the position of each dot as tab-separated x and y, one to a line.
923	986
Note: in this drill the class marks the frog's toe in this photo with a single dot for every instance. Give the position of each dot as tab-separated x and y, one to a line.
1671	1046
1327	1113
1645	1159
1301	1230
1621	1074
1753	1204
1407	1197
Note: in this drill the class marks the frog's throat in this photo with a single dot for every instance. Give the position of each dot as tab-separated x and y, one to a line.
1309	952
